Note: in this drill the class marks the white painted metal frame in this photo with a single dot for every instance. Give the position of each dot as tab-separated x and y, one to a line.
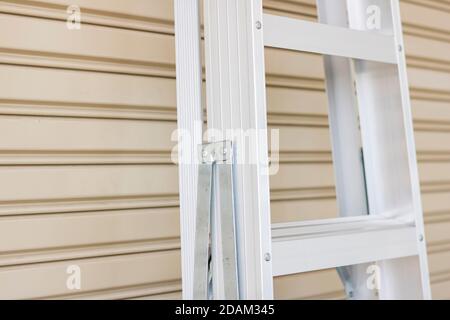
189	106
384	185
316	245
389	149
283	32
411	150
381	97
346	142
236	100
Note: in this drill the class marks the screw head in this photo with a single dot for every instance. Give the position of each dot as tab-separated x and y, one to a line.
258	25
267	257
400	48
421	238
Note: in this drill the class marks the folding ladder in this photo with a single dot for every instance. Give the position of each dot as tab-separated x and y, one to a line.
377	185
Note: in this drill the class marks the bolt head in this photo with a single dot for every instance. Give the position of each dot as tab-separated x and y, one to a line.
258	25
267	257
421	238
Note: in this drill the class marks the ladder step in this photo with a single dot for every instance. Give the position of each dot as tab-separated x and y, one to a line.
323	244
299	35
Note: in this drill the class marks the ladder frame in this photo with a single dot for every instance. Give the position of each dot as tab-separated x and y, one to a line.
189	135
346	142
236	100
234	59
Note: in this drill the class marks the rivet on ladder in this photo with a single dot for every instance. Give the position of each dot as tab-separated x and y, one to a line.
267	257
258	25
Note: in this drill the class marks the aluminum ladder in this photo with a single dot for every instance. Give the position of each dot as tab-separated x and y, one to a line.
377	186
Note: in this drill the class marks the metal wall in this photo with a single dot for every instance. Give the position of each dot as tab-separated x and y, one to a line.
86	118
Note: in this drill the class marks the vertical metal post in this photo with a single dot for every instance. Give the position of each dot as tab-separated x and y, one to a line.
411	149
346	143
235	80
389	151
189	112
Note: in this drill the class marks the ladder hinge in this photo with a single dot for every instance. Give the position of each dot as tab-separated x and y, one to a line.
216	152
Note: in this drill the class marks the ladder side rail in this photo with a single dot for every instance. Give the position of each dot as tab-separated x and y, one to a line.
387	149
235	81
346	144
411	148
189	116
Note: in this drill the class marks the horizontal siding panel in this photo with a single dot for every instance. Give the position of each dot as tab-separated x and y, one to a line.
436	201
424	17
432	140
166	296
439	262
40	183
296	138
438	111
63	134
438	232
142	292
429	80
71	134
441	290
49	279
303	209
73	87
323	284
157	9
298	176
151	15
90	42
296	101
293	64
87	229
434	172
428	49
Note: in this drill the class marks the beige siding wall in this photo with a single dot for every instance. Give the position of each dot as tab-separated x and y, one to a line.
86	119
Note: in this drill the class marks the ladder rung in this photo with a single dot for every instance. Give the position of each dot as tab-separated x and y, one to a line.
322	244
295	34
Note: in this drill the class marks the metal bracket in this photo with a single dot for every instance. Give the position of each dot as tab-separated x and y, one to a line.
217	152
215	163
344	274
